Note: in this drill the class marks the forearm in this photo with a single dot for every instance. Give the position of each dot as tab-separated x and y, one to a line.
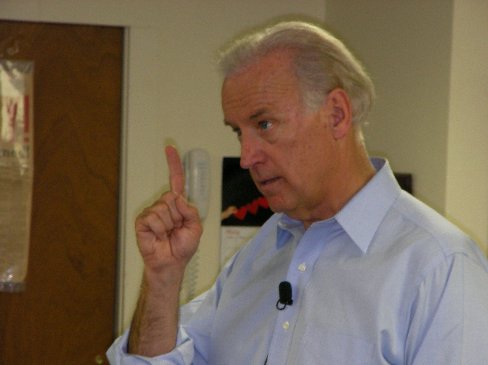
154	326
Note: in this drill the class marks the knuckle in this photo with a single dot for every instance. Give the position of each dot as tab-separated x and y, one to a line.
168	197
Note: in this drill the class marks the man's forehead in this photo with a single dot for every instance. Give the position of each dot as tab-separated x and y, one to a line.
234	116
262	88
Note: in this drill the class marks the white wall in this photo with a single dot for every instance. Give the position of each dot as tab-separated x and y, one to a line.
467	158
172	94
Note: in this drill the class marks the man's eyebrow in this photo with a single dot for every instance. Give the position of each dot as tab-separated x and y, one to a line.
256	115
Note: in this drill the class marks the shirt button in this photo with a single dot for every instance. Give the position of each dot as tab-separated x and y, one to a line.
302	267
286	325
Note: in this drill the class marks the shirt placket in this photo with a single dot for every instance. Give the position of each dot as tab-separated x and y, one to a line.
299	273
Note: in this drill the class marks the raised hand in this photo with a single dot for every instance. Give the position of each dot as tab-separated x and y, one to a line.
168	232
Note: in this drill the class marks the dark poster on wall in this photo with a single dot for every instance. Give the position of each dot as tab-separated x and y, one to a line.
242	203
243	211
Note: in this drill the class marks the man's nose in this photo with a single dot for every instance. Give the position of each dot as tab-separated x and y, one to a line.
250	152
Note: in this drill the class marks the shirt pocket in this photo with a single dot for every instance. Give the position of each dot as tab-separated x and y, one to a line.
333	347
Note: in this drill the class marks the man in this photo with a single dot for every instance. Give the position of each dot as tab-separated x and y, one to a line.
376	277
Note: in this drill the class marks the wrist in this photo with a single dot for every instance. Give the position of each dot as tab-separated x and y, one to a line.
163	282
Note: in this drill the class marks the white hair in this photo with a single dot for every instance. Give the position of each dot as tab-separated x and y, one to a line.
321	63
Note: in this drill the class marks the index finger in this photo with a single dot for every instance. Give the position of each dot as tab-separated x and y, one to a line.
176	172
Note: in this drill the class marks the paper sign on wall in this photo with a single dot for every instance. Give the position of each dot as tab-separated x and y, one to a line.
16	171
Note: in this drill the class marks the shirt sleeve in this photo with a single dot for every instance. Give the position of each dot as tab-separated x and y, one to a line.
181	355
194	332
450	317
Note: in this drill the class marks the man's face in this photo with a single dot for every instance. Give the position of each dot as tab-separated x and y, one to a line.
288	150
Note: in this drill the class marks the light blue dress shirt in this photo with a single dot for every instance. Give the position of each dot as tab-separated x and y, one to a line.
386	281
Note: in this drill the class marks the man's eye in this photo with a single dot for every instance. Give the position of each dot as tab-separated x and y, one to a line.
265	124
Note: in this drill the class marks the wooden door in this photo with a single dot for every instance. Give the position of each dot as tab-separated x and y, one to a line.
66	313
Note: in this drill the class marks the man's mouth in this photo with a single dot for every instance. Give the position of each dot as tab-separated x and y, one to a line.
268	182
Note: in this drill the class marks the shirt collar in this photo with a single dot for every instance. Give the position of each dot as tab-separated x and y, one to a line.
362	215
288	227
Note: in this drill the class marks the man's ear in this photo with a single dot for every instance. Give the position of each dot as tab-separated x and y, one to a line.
338	106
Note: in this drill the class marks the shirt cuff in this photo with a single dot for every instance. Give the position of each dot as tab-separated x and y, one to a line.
181	355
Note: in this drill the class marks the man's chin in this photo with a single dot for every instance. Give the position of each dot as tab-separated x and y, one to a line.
276	205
